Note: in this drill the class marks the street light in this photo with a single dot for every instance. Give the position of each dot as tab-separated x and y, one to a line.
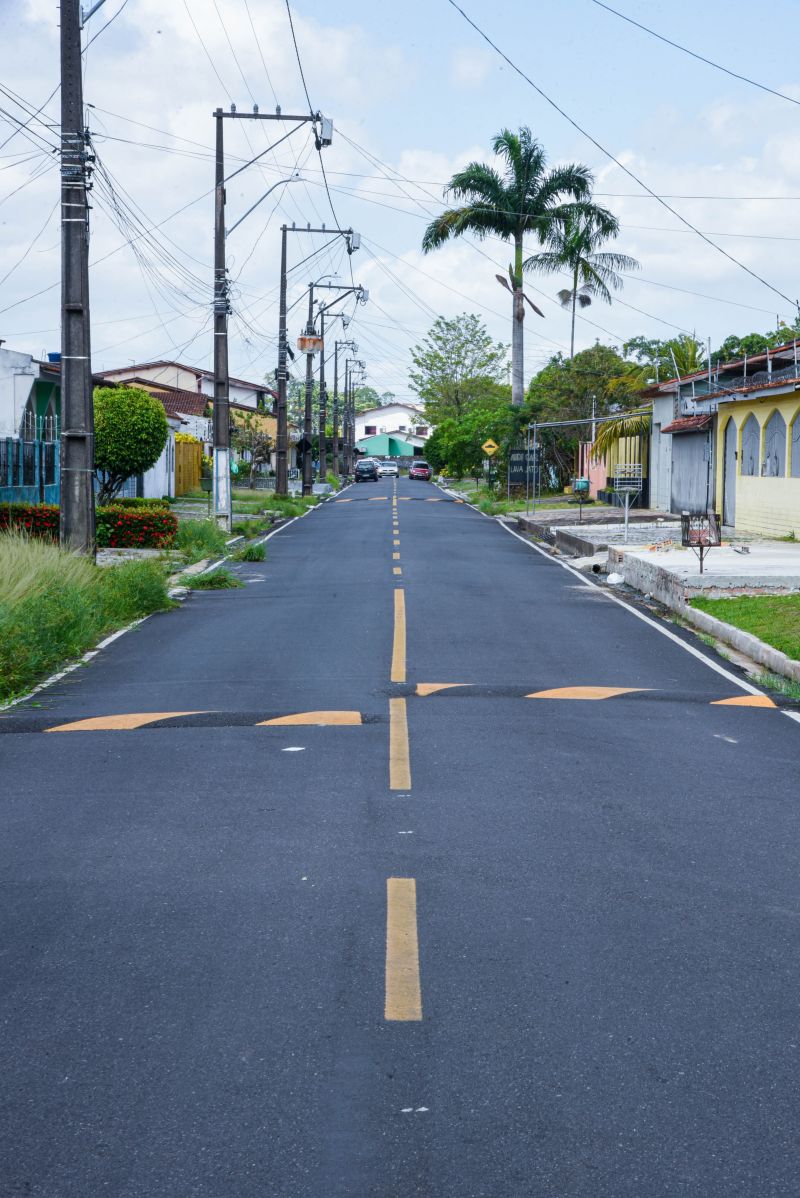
222	434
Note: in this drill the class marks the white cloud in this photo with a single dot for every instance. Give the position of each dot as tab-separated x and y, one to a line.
470	67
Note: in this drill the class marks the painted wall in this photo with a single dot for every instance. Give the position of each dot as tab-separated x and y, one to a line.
765	505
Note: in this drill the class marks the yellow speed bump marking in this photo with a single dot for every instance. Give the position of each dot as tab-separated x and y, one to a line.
378	498
342	501
396	570
403	1000
744	701
399	763
585	692
433	501
313	717
399	646
119	723
430	688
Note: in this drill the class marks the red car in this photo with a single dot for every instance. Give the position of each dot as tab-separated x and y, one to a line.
420	470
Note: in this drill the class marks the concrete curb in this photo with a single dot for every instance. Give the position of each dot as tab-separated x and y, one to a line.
772	659
667	588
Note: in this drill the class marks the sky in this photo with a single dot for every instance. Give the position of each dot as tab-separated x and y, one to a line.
415	94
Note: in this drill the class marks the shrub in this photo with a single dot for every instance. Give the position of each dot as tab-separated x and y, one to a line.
34	519
142	503
55	605
121	527
130	432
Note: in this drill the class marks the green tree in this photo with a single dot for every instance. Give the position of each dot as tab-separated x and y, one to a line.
573	244
454	364
455	445
658	359
526	200
595	380
130	432
249	438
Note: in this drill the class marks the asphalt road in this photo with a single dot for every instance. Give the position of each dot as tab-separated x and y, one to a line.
456	942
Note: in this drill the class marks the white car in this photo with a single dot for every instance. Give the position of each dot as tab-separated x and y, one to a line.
388	469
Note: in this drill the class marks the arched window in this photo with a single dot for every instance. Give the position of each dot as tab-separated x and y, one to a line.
751	445
775	447
795	465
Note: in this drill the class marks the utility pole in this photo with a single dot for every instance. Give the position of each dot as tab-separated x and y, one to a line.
222	431
282	432
77	520
336	347
308	464
353	240
323	404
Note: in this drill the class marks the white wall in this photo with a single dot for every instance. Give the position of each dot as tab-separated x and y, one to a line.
17	375
393	419
160	479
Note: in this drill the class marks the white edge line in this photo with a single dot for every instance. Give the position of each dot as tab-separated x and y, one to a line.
712	665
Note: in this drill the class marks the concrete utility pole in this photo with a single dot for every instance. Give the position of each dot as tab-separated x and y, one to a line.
282	438
337	345
222	308
323	403
222	430
308	464
77	520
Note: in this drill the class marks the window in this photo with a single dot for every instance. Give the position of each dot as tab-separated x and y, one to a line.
421	431
751	444
775	447
370	430
795	465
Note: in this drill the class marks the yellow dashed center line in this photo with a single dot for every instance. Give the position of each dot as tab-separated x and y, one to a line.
399	646
396	557
396	541
403	990
399	763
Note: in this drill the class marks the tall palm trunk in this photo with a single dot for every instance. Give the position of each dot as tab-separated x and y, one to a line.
574	305
517	344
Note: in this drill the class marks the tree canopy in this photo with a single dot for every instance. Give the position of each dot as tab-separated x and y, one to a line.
130	432
455	365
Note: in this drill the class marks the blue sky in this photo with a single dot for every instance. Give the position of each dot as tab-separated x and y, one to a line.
414	94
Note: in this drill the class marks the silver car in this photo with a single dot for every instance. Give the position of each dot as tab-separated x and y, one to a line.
388	469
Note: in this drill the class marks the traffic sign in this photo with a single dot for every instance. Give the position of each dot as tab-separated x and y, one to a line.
490	447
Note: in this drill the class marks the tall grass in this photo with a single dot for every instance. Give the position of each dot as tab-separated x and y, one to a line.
200	538
55	605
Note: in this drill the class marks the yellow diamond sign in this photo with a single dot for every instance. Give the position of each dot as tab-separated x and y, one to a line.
490	447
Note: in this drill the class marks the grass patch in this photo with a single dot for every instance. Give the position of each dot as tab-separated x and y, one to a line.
251	553
217	580
55	605
197	539
774	619
779	684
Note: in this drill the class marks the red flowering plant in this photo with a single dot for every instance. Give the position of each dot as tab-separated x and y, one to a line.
120	527
35	519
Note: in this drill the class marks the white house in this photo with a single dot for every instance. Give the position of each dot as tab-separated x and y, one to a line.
404	421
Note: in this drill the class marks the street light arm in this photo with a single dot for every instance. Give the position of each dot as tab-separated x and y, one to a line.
281	182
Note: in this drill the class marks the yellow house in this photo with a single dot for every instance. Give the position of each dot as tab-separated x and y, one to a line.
758	459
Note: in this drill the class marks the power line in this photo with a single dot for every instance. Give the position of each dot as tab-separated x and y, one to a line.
692	54
297	56
613	158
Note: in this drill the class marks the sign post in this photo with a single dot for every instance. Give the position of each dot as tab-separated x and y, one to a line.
701	531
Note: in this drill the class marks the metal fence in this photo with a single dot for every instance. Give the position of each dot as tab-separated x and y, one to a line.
29	471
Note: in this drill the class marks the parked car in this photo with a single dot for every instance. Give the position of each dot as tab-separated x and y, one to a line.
420	469
366	471
388	469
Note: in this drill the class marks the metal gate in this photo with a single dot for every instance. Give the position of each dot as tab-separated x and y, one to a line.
690	472
729	475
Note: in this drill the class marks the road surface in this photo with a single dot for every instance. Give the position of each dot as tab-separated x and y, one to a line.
417	866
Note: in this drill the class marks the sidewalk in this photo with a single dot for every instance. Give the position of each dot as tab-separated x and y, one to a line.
672	574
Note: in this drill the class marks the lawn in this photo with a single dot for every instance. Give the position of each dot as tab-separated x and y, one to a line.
774	619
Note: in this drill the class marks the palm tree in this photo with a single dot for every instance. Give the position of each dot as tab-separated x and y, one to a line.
525	199
574	243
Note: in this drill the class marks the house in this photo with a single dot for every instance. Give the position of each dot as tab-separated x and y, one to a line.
729	438
176	376
394	430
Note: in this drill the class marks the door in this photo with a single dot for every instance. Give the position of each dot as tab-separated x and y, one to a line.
729	475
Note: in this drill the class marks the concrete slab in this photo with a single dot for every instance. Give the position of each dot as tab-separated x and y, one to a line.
588	539
767	567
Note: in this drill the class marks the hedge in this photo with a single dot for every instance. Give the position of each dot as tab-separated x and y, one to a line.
119	526
139	503
135	528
